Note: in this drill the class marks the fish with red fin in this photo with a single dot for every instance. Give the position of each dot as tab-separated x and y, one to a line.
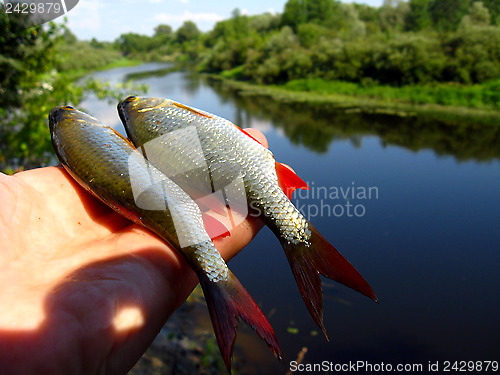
108	166
170	133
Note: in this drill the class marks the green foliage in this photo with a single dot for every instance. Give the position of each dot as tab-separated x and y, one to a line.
85	56
446	14
485	96
314	123
38	67
400	43
393	14
187	32
475	50
23	57
418	17
418	51
132	44
358	43
306	11
164	30
280	59
309	34
409	59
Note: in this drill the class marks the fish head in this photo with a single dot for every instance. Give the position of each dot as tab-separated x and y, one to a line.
130	107
69	116
58	115
156	114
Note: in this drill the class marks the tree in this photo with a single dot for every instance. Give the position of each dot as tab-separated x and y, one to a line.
294	14
187	32
69	37
493	7
418	17
393	14
447	14
131	43
26	53
478	15
163	30
309	11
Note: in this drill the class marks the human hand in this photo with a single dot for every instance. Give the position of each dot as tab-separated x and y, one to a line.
83	290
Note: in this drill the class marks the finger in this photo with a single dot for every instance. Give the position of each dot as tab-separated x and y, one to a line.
240	235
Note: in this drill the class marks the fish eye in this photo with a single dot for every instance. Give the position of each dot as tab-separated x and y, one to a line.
131	98
68	107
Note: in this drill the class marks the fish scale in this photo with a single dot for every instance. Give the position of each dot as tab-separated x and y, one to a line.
230	152
108	165
271	200
114	160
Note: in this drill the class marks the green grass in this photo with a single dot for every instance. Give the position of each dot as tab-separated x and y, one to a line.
81	58
75	74
483	96
444	102
121	63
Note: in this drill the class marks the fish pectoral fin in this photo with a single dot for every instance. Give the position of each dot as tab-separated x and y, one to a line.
228	301
308	260
288	180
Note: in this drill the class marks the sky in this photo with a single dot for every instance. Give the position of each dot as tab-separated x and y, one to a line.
106	20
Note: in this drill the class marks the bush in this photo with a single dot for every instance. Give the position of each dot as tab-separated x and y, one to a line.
82	56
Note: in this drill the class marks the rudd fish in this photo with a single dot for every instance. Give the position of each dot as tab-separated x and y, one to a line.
229	152
107	165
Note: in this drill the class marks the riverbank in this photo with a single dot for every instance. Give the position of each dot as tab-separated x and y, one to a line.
123	62
443	102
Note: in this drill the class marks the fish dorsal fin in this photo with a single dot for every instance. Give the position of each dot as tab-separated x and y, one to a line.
248	134
192	110
288	180
215	229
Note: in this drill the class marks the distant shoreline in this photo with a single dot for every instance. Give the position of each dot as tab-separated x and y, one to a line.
357	102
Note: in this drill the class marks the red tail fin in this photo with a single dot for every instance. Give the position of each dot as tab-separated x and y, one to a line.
227	301
320	257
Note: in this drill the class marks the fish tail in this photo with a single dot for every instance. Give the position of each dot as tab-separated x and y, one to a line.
308	260
228	301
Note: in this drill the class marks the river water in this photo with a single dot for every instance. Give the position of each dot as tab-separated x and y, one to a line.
414	204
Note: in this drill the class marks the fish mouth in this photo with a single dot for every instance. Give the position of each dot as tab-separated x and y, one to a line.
124	106
131	105
58	114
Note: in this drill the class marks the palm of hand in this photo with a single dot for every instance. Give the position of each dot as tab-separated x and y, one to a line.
83	290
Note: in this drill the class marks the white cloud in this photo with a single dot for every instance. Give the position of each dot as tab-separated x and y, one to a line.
86	16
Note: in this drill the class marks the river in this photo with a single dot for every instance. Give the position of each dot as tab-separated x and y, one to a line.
413	204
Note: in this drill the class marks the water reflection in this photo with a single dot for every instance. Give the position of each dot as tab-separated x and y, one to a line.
141	74
428	243
317	126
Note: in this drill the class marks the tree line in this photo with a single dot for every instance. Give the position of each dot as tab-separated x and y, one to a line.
399	43
38	69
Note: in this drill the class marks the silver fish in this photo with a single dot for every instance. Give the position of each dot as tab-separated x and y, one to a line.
230	153
108	165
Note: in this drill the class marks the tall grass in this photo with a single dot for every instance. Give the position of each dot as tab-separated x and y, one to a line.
82	56
486	95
